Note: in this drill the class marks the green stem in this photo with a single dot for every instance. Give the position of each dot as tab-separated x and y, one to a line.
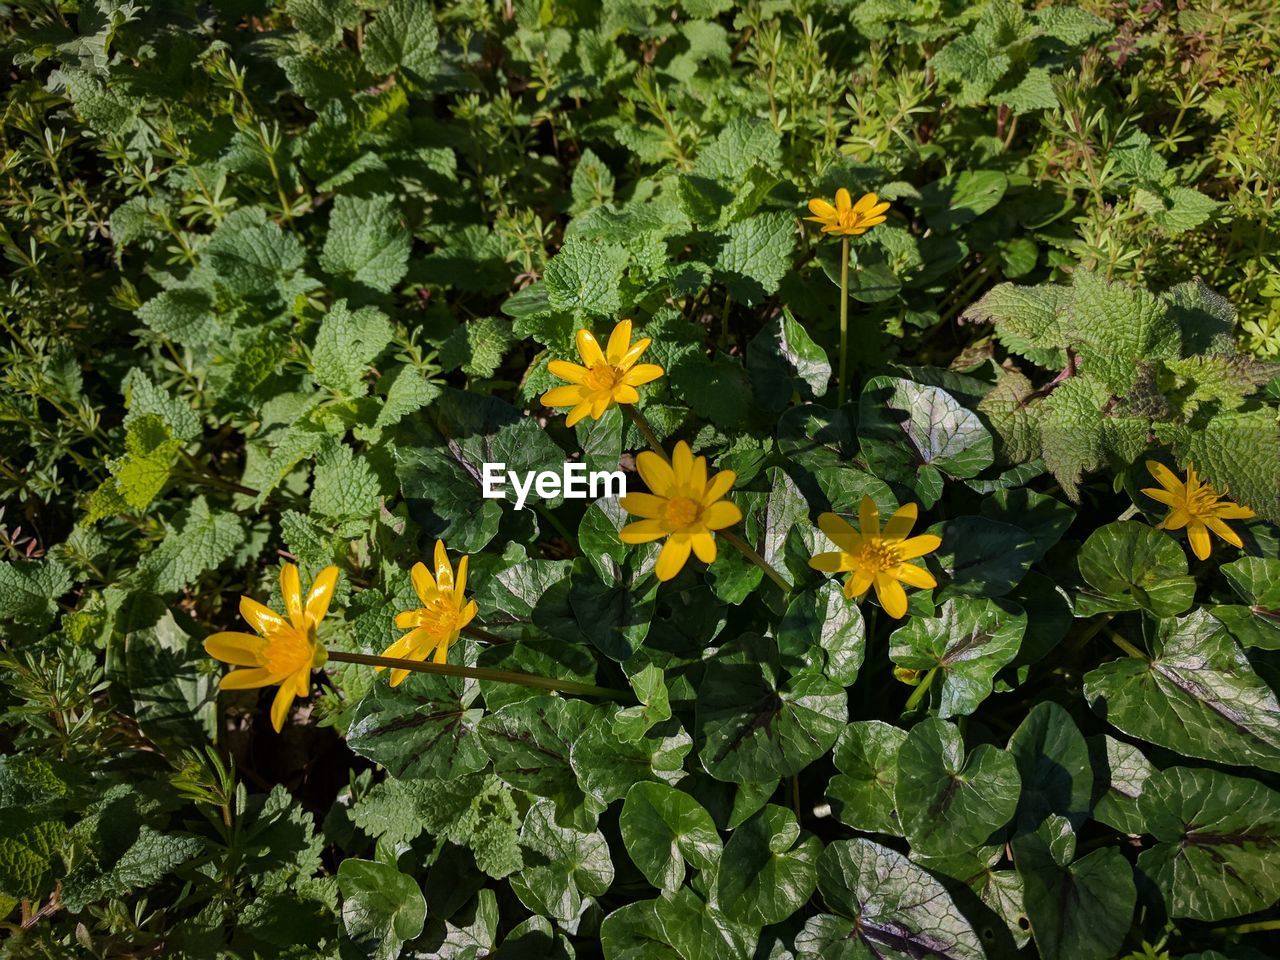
1258	927
559	527
481	673
647	431
921	689
485	635
749	552
842	389
1125	645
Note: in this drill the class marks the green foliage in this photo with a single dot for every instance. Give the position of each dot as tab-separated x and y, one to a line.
284	275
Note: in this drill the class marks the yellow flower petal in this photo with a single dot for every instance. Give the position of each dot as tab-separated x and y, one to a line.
656	473
840	532
291	590
589	349
568	371
1198	537
625	393
844	202
1161	495
619	343
682	463
675	552
423	583
261	617
858	584
643	505
1164	476
641	374
828	562
900	524
577	413
241	649
1225	532
628	359
721	514
821	210
321	593
868	517
718	486
444	569
891	596
918	546
704	547
247	679
914	576
567	396
460	585
864	204
280	706
642	531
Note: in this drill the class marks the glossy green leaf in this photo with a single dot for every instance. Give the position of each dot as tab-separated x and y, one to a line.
861	794
824	628
886	907
382	907
662	828
1196	694
561	865
752	726
948	802
768	868
968	643
1216	840
1133	566
425	727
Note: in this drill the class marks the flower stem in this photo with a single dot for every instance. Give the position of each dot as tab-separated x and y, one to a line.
749	552
643	426
1125	645
485	635
921	689
842	389
481	673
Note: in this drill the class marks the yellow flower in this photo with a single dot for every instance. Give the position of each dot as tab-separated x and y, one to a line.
847	218
285	651
610	376
1196	506
685	507
436	624
877	557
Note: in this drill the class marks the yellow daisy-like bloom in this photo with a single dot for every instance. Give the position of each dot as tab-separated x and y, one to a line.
284	651
435	625
610	375
877	558
847	218
1196	506
685	507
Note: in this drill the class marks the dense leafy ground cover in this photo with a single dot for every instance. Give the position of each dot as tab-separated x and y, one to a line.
282	277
